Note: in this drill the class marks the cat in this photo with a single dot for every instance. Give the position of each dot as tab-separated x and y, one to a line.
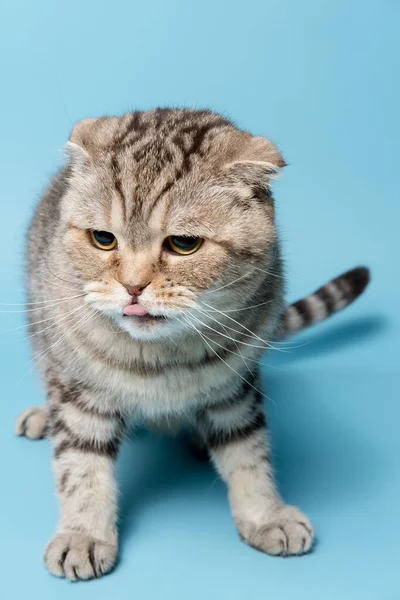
155	282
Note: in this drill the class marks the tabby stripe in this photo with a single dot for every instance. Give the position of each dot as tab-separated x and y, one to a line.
241	254
197	141
125	130
73	394
195	147
80	405
341	288
236	416
160	114
109	448
221	438
54	411
73	422
170	184
116	177
304	307
135	127
64	480
239	396
59	426
325	295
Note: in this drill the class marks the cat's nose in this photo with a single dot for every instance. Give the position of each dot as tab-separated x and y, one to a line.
135	290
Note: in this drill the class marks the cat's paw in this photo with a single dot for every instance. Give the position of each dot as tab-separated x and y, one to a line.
32	423
287	533
77	556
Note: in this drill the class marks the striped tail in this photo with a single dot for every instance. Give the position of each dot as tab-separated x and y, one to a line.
325	301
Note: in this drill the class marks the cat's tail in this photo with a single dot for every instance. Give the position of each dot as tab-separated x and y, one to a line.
325	301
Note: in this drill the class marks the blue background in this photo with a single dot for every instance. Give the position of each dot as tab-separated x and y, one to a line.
321	78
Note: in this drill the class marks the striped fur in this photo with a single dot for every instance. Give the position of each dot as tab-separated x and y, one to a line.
325	301
193	359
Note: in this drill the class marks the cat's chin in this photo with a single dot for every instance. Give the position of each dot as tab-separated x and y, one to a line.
148	327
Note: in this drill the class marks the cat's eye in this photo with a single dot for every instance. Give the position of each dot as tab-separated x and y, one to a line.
103	239
182	244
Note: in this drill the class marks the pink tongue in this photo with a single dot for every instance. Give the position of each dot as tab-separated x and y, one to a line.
135	309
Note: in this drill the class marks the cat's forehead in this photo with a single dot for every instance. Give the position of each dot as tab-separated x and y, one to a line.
155	150
153	165
174	170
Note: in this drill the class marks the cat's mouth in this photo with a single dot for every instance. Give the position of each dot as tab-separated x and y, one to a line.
147	318
140	314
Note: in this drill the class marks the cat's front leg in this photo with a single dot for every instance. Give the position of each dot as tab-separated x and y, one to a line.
236	436
85	444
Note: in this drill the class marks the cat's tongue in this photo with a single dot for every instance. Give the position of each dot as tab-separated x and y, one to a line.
135	309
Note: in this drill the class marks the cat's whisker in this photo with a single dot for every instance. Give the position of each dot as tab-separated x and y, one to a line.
74	283
58	320
226	285
241	354
56	284
209	315
227	336
245	359
270	273
268	345
42	302
253	360
244	327
25	325
243	277
39	357
233	310
49	304
224	361
89	312
288	344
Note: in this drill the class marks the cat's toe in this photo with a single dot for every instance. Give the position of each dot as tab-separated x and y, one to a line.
32	423
288	533
78	557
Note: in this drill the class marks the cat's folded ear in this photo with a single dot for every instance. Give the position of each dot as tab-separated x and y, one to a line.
78	146
88	137
257	164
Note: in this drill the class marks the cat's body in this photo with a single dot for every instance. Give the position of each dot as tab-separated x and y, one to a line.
141	331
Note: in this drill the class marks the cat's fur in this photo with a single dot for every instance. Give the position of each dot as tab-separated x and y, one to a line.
144	176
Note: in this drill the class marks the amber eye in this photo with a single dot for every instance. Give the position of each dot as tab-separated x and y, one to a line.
182	244
103	239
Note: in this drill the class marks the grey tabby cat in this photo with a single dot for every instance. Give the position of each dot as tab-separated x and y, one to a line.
154	284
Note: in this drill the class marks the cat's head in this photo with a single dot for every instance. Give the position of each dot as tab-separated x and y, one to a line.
167	211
